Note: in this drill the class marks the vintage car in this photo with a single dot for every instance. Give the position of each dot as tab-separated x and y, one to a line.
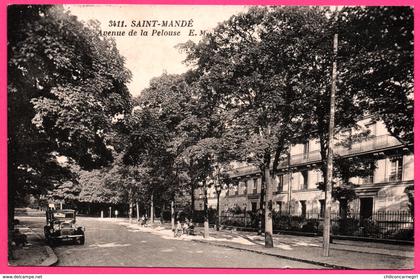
61	227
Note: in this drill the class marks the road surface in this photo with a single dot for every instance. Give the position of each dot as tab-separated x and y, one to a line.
114	245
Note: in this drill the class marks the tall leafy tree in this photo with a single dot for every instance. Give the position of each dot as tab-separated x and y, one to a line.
175	132
376	63
253	63
94	188
375	69
65	86
155	139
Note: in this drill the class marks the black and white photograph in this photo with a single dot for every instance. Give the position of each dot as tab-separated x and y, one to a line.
210	136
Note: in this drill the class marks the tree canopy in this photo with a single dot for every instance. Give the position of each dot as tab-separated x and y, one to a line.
259	83
65	87
376	57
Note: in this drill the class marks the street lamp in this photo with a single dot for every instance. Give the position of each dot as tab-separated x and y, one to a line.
245	206
218	189
200	197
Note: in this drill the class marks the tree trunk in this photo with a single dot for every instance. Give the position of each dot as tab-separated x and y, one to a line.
206	212
11	215
268	209
218	212
261	210
137	211
130	206
152	211
130	211
172	215
192	202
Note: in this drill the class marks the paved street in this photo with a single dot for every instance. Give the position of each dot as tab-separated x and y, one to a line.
111	244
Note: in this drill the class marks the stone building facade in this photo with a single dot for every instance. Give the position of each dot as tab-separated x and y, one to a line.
295	189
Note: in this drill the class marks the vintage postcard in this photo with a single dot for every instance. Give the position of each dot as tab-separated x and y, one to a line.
246	137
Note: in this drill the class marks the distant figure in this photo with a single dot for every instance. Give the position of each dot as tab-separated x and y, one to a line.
185	226
178	229
143	220
19	238
190	228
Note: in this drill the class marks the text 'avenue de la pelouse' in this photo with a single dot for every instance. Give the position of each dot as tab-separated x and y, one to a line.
153	28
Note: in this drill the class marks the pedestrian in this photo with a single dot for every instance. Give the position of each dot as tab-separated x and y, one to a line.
143	221
178	229
185	226
190	228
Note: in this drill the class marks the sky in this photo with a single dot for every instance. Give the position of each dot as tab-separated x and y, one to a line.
151	56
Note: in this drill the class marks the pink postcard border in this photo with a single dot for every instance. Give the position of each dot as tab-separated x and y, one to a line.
5	269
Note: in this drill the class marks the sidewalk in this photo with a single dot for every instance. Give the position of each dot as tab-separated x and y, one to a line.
34	253
344	254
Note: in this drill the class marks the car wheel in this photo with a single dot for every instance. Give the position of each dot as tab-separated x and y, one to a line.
82	240
51	242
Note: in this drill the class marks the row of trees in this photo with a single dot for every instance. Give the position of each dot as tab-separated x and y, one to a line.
258	83
269	71
66	85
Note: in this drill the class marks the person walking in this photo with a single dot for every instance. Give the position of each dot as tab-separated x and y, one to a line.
178	229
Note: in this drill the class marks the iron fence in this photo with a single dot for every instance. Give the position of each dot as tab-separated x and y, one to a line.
384	225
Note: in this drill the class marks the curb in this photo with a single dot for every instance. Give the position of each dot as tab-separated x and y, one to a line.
375	240
340	237
52	257
329	266
334	248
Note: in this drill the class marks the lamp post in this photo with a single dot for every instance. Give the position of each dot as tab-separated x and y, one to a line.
201	201
204	186
245	207
200	196
218	189
328	186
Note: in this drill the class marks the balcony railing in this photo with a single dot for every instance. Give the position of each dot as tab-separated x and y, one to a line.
368	145
371	144
304	158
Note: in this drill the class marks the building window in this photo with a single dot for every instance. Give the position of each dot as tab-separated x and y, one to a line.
322	208
372	128
254	186
242	187
279	206
303	208
306	150
368	179
395	173
366	208
231	190
280	185
304	183
235	189
254	206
